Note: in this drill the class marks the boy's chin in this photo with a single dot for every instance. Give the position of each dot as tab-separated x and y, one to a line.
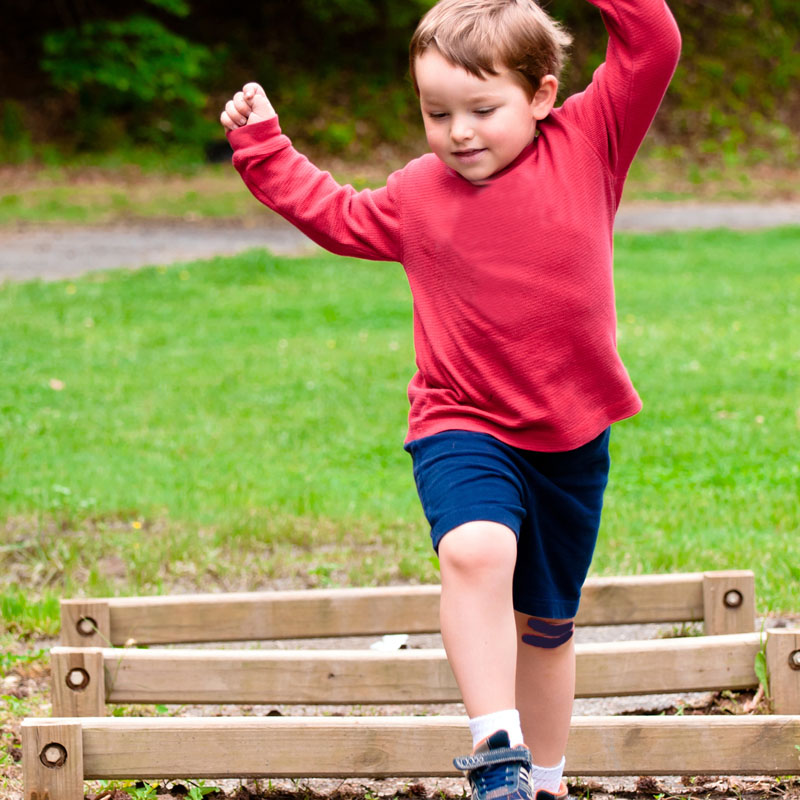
476	171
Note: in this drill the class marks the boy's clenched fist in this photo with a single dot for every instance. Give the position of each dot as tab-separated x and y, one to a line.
246	108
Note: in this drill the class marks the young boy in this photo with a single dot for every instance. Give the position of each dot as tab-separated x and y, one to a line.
505	233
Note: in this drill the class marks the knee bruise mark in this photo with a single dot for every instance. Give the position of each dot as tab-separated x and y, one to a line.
548	635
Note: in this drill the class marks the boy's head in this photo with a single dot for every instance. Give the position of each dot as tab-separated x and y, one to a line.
485	72
481	36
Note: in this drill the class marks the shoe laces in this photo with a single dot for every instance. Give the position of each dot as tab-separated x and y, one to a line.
491	778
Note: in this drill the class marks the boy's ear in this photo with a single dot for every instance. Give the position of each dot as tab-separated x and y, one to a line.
545	97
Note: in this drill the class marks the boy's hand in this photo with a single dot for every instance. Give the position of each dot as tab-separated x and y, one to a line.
246	108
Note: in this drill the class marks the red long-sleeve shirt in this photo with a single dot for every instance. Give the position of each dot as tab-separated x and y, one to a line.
512	278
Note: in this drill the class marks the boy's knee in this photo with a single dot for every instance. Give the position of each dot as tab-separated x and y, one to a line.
478	548
548	633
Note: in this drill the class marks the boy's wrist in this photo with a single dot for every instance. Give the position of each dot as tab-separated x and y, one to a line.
256	133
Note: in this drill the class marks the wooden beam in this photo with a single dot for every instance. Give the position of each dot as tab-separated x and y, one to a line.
729	604
304	747
688	664
354	612
410	676
275	615
642	598
78	686
783	665
86	623
52	759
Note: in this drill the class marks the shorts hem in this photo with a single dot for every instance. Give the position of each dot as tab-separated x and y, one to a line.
474	514
549	609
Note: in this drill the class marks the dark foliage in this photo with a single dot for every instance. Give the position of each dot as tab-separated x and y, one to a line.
89	73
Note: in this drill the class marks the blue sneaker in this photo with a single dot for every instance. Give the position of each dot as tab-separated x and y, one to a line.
544	794
496	770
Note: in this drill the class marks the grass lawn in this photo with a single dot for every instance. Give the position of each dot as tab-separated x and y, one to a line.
238	423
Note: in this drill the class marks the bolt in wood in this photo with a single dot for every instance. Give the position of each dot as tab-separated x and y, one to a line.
53	755
86	626
733	598
77	679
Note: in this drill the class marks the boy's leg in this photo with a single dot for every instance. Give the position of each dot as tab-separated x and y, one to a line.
478	627
545	691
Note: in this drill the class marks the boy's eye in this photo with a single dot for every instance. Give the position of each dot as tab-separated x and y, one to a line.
484	111
437	114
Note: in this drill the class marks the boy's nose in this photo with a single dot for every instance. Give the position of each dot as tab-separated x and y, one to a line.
460	131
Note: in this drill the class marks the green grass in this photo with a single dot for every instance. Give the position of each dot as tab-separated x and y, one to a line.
230	423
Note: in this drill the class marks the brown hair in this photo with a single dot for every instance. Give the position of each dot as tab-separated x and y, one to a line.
482	35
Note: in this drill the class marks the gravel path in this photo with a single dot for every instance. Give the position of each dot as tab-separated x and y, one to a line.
56	253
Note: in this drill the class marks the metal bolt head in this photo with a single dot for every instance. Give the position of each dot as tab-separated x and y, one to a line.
794	659
733	598
77	679
86	626
53	755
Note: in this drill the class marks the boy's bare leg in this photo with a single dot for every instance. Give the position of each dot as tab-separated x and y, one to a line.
545	691
477	567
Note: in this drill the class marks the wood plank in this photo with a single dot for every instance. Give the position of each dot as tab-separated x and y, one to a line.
689	664
413	746
86	623
52	759
729	601
411	676
78	682
642	598
275	615
372	611
783	664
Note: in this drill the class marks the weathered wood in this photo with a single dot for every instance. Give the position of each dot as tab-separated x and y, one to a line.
368	611
219	747
689	664
729	604
52	759
78	682
783	665
411	676
641	598
86	623
275	615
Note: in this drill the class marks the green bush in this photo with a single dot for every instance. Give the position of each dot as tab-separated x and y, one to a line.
131	79
337	72
15	138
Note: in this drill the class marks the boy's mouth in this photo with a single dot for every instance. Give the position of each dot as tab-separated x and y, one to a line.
466	156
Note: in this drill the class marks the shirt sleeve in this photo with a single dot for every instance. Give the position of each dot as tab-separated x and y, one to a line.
363	224
618	107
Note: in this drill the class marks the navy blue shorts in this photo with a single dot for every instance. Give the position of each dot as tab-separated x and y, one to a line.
552	502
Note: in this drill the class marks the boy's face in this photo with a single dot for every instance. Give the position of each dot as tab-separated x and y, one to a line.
475	125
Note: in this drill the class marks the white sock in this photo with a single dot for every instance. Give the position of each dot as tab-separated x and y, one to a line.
486	725
547	778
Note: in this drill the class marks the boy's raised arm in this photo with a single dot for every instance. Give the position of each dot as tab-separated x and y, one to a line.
619	105
364	224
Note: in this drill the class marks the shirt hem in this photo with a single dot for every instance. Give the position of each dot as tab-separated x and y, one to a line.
530	439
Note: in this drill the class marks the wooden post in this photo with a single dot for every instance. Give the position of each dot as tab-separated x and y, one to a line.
85	623
78	682
783	668
729	602
52	759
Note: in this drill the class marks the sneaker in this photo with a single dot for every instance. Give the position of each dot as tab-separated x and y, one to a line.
496	770
545	794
